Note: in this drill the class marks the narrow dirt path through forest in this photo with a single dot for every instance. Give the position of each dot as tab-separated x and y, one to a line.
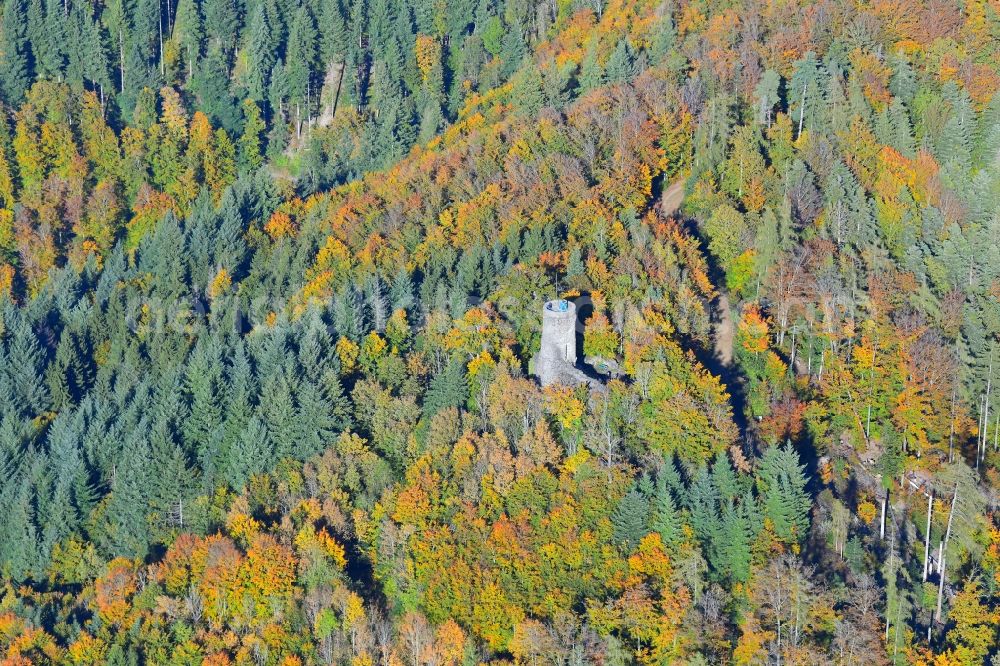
724	333
724	330
672	197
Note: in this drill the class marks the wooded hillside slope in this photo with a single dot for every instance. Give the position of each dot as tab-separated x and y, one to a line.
272	275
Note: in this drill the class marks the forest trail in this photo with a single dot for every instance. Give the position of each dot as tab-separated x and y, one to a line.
672	197
724	331
670	202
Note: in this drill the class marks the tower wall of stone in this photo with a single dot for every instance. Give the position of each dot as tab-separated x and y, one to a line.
557	356
559	331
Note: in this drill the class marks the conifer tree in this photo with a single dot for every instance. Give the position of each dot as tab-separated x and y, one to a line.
431	119
401	291
278	414
735	538
781	481
15	73
591	73
24	367
55	39
512	48
334	38
527	95
805	91
664	37
333	391
902	131
630	519
56	375
703	505
299	64
954	144
222	23
203	382
447	388
188	33
251	155
378	304
258	51
19	540
621	65
766	94
173	485
665	517
252	453
316	422
724	478
902	84
123	529
348	314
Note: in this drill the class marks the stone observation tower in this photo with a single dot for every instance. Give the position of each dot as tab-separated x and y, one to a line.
556	360
559	331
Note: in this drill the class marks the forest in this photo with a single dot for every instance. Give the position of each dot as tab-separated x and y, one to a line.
272	275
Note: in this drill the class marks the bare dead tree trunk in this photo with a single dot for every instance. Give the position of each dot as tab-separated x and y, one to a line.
885	501
980	426
944	554
121	59
996	433
895	642
802	108
159	26
951	436
871	392
986	408
927	535
792	360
